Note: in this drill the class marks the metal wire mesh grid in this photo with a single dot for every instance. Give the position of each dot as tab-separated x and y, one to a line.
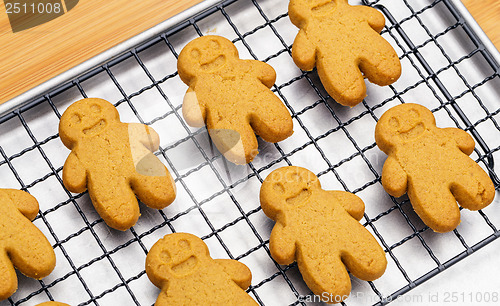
444	68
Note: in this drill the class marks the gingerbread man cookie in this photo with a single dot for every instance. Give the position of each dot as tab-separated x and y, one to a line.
180	265
114	160
432	165
23	245
232	97
319	229
52	303
343	43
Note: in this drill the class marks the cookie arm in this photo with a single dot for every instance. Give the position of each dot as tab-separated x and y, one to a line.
264	72
375	19
8	280
282	245
304	52
464	141
394	178
351	203
25	202
193	110
144	134
74	174
238	272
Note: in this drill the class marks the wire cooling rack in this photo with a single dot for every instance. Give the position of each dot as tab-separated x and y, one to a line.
445	67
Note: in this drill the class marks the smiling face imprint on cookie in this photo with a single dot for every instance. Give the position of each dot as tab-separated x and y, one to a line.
410	128
87	118
294	188
210	56
405	123
181	257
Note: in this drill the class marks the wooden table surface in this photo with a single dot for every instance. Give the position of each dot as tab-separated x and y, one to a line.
89	27
37	54
486	13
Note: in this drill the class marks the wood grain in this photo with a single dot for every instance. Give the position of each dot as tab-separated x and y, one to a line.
33	56
486	13
30	57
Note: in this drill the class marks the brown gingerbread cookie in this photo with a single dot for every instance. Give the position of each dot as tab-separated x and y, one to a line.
180	265
114	160
432	165
320	230
232	97
52	303
22	244
344	44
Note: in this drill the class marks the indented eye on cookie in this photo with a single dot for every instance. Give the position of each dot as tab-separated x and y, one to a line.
214	45
195	54
299	198
165	256
95	108
279	188
409	126
75	119
292	177
215	64
394	123
184	244
414	114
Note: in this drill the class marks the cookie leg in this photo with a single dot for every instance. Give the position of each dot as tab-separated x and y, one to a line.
381	67
474	190
32	253
271	119
115	202
327	277
8	277
436	206
364	257
344	82
154	191
236	141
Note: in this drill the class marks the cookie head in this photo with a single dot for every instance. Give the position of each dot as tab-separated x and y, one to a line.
175	256
205	54
86	118
302	10
286	188
401	124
